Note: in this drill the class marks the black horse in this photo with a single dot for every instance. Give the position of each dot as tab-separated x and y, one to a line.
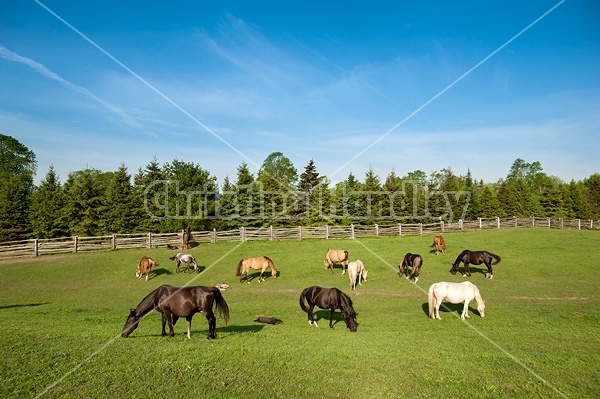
476	258
328	298
410	260
176	302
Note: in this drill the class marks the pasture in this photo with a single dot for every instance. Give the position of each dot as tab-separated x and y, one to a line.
62	318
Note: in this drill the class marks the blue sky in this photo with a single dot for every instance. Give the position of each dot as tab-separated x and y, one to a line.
400	86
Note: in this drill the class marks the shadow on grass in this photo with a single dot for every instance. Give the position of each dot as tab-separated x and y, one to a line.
447	307
239	329
23	305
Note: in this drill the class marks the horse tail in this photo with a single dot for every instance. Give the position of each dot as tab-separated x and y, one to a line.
238	271
303	303
495	257
220	304
431	300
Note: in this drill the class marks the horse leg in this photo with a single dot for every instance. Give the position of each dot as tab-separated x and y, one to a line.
344	265
261	278
188	323
177	265
490	275
212	325
467	272
164	321
331	318
465	312
311	319
436	311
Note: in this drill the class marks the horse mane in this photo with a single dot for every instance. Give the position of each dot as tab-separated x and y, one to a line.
459	257
147	304
238	271
346	304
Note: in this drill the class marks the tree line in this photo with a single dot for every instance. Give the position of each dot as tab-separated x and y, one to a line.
179	194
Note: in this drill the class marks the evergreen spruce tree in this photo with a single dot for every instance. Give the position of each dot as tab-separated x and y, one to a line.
46	215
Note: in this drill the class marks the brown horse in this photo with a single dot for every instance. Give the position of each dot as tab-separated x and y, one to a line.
258	263
145	266
328	298
411	260
176	302
339	256
186	238
477	258
439	243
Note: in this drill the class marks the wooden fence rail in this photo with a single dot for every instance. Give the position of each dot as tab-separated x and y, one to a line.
48	246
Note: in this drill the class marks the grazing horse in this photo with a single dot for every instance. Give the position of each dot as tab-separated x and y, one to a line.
145	266
328	298
336	256
176	302
411	260
357	269
258	263
476	258
186	258
438	242
454	293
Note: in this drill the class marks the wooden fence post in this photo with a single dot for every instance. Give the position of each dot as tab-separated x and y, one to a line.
214	237
532	221
75	240
400	229
271	233
352	231
560	221
420	229
460	224
376	230
150	240
114	241
327	231
442	226
300	233
578	224
35	247
242	234
498	221
516	221
479	223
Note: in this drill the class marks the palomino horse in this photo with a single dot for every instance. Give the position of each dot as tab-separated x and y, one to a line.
439	243
185	258
454	293
176	302
411	260
258	263
357	269
476	258
328	298
336	256
145	266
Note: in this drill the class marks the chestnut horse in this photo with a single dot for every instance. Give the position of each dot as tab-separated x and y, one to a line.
476	258
328	298
258	263
439	243
339	256
176	302
145	266
411	260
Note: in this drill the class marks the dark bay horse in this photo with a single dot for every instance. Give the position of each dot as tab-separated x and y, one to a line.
176	302
328	298
475	257
411	260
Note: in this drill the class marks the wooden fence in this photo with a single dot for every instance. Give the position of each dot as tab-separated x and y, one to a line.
38	247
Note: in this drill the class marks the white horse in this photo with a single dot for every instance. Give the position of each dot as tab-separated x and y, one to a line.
356	269
454	293
186	258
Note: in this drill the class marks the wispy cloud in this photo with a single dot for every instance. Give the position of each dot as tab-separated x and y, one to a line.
9	55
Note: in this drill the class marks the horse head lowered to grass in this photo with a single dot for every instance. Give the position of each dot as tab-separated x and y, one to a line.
328	298
475	257
176	302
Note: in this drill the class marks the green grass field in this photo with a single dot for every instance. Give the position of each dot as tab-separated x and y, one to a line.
62	317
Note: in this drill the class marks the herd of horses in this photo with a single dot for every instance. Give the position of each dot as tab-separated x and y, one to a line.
176	302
